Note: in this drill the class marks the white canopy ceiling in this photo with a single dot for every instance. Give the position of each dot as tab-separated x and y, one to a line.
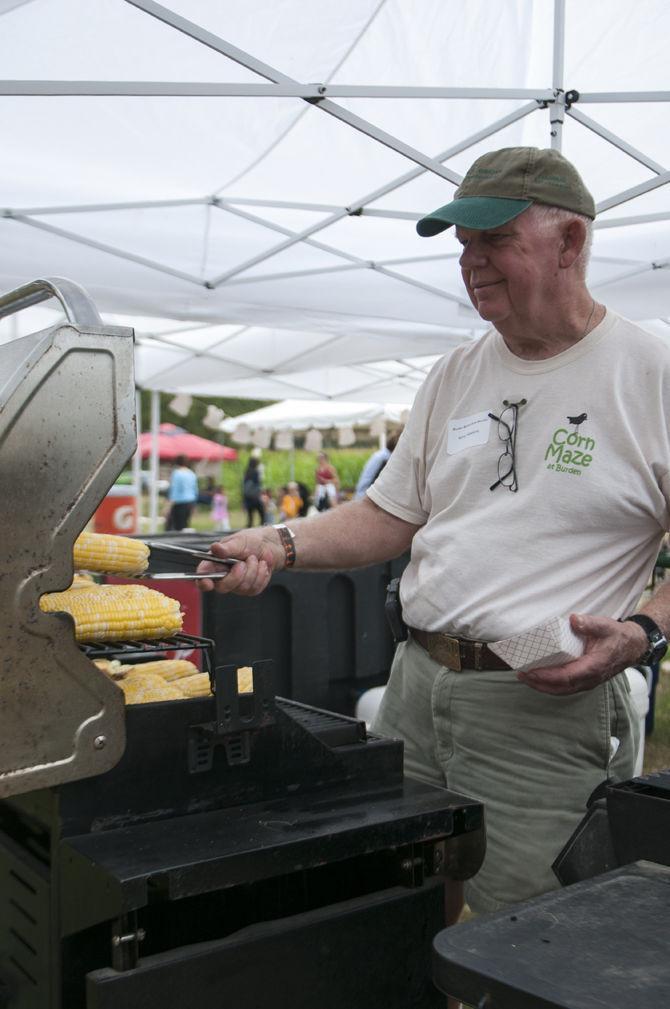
179	164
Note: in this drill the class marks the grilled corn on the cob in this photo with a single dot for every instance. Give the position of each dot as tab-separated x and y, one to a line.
172	670
117	612
110	554
194	686
145	688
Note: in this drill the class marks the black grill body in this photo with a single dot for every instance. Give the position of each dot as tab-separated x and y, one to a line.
279	859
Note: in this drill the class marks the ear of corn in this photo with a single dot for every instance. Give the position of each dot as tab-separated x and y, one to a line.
114	668
82	582
145	688
117	612
109	554
194	686
245	680
172	670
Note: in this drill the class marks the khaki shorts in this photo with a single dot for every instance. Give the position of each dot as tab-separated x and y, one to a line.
533	759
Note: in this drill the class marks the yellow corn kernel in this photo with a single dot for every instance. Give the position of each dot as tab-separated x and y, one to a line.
82	582
114	668
147	688
117	612
195	686
172	670
110	554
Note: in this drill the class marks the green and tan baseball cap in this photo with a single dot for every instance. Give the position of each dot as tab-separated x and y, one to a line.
502	184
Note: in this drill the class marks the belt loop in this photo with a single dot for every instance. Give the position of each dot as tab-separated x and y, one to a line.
479	647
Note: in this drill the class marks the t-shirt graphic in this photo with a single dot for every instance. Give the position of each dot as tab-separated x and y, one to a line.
569	451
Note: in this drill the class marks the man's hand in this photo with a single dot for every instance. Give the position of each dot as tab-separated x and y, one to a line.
259	552
609	646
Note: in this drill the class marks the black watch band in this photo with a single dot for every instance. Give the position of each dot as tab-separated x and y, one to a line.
655	637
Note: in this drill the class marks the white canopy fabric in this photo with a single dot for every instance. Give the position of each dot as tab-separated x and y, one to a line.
180	163
301	415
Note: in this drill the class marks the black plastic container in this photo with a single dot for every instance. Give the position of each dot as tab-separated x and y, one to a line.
325	632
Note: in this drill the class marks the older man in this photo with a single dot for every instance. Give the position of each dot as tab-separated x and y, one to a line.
532	481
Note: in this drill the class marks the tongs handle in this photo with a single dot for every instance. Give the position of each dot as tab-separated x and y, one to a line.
201	555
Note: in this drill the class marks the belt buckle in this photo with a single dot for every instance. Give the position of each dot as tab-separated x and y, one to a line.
448	652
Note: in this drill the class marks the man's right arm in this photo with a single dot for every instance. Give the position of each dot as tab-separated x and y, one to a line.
352	535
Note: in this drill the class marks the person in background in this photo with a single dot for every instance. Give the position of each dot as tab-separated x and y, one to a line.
303	490
220	516
532	486
327	483
182	494
375	464
251	492
206	493
269	506
257	454
291	502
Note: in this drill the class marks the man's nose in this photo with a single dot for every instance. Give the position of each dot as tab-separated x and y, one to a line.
472	256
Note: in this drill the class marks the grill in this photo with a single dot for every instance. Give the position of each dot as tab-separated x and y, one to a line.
236	849
144	651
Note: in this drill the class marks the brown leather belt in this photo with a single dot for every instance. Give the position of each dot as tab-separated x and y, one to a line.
458	653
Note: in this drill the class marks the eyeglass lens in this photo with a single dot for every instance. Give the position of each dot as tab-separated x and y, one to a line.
507	426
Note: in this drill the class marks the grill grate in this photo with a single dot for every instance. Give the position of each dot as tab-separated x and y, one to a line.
146	650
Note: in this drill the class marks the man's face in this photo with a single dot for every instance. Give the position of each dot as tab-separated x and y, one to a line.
507	270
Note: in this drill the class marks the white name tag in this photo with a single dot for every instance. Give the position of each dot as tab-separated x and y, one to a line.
463	432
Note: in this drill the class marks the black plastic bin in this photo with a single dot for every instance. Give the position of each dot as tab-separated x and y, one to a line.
325	632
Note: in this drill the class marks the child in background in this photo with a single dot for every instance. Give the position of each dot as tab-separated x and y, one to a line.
270	507
220	516
291	503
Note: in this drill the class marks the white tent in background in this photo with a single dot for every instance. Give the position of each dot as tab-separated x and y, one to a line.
302	415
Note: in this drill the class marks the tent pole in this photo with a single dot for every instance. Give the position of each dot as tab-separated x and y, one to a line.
557	107
153	465
137	461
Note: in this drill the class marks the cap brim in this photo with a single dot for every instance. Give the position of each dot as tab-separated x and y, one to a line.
478	212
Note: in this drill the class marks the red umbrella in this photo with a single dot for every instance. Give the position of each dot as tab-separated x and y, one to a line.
174	441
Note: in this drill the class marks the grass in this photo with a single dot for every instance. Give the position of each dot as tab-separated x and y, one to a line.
657	745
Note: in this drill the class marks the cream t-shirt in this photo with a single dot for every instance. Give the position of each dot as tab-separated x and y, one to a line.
583	530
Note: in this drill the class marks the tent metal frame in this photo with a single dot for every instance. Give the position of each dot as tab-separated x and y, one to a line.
556	100
559	103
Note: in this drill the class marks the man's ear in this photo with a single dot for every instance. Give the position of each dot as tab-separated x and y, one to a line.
573	237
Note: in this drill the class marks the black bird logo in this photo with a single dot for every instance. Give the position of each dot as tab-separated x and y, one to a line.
577	420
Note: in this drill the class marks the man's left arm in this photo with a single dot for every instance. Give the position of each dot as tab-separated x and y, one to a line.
609	647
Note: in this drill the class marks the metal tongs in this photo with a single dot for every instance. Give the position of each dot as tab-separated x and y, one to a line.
201	555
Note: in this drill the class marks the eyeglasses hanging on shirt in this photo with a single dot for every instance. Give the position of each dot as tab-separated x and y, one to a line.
508	422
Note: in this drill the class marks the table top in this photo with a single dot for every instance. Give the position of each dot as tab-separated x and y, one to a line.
598	944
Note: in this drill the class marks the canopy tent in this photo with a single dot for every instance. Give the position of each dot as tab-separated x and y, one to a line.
178	162
301	415
174	441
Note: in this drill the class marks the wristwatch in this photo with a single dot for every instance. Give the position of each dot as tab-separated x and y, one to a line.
287	537
658	642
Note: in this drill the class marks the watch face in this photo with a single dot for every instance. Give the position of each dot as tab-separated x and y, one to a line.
657	646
